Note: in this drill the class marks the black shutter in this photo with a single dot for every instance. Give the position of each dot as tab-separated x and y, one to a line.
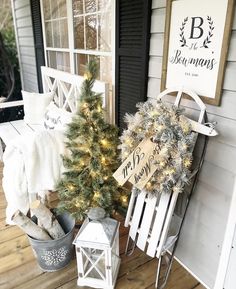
132	55
38	39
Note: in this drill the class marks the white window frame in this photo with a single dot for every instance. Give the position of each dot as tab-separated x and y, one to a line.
73	51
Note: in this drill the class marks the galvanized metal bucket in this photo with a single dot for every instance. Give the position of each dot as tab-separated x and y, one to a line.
54	255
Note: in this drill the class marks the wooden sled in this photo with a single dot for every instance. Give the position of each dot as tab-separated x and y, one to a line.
154	225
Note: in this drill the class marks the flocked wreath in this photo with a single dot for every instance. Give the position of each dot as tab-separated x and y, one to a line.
167	127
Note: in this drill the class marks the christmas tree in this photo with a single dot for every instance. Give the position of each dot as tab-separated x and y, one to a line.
93	157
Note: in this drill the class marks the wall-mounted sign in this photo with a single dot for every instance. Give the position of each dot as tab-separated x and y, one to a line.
197	34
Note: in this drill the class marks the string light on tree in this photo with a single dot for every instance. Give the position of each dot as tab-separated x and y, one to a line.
85	105
71	187
124	200
104	142
79	203
103	160
93	174
96	196
88	75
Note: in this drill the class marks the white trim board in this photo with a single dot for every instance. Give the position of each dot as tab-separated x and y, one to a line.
191	272
227	244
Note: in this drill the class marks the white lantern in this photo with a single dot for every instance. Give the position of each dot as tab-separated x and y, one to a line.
97	251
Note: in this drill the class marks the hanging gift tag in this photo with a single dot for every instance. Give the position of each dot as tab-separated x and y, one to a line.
133	161
146	169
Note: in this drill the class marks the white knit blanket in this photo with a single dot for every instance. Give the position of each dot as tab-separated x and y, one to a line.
32	164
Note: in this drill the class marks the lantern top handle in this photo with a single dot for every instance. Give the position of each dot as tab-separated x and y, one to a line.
183	90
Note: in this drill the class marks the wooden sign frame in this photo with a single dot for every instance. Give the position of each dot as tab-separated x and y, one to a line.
223	52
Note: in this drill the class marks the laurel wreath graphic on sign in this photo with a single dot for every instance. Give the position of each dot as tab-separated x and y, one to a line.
207	40
182	38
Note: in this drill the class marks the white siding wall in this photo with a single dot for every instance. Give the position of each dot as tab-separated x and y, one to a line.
230	281
25	42
203	232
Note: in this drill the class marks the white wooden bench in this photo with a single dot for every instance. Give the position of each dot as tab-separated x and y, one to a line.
66	88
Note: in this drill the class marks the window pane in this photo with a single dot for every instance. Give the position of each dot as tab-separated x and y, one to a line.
51	56
104	62
56	34
78	7
104	5
62	8
63	61
81	61
56	29
54	9
46	9
106	69
48	28
97	28
59	60
79	32
104	31
64	34
90	6
91	31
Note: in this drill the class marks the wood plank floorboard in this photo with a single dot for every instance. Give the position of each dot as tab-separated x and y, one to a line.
19	269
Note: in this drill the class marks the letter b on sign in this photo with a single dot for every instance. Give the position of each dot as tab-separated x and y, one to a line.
196	28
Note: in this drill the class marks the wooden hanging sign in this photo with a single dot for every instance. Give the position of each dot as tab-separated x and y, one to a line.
146	169
134	161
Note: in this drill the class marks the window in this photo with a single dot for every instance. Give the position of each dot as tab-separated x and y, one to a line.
71	41
92	35
56	40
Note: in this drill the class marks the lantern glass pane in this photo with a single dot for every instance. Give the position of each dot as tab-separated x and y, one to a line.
115	255
94	263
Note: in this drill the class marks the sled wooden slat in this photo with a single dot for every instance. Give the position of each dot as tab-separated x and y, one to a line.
130	209
167	224
158	224
137	215
146	222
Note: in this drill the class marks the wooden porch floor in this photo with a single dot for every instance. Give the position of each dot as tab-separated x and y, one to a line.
19	270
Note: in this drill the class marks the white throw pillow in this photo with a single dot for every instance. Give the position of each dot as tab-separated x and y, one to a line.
56	118
35	105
